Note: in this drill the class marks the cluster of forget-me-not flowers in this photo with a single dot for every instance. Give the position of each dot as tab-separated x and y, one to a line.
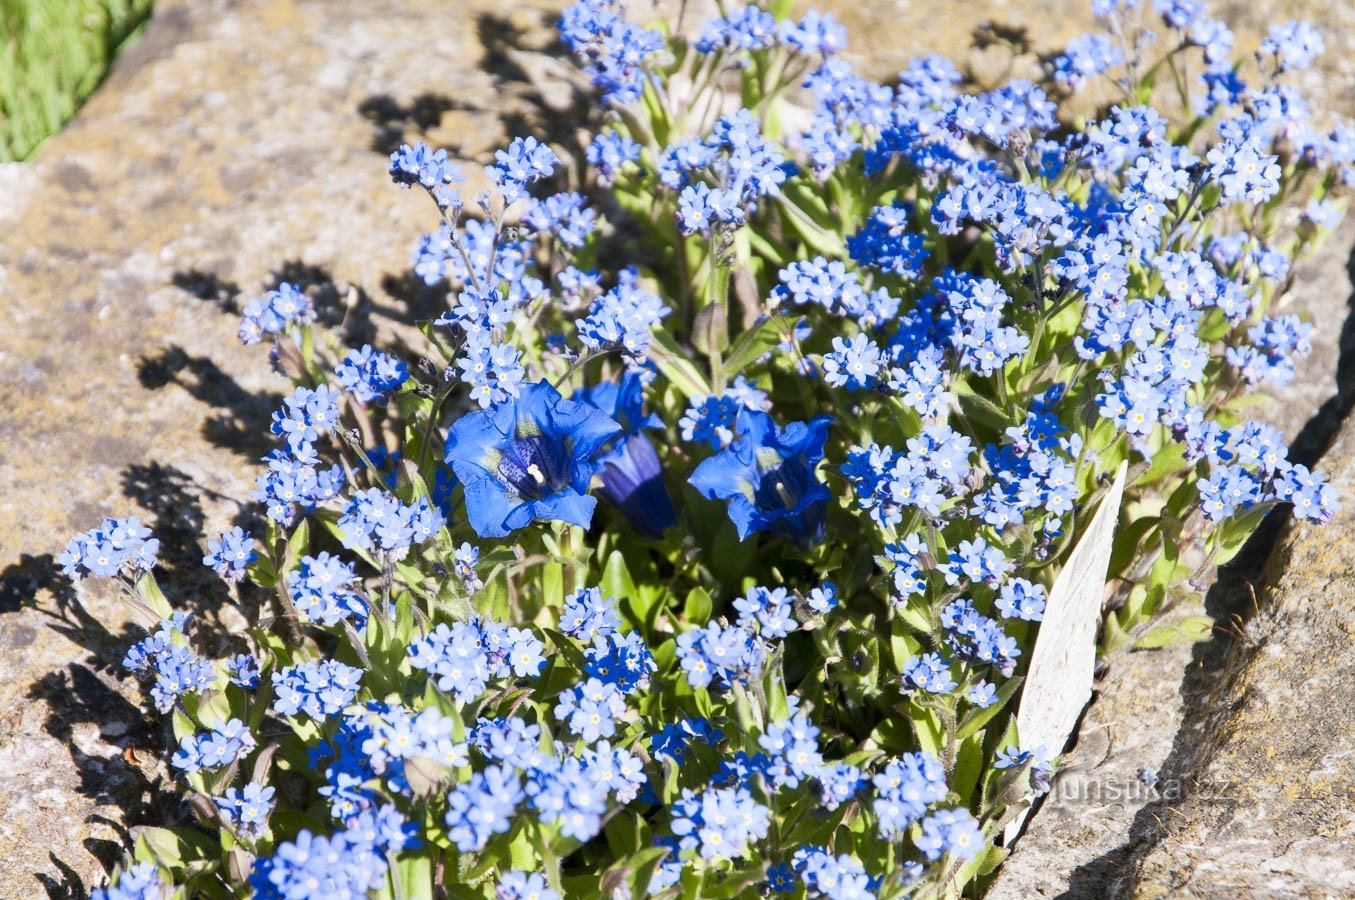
715	574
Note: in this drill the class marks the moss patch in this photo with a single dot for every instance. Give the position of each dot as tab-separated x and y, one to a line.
53	54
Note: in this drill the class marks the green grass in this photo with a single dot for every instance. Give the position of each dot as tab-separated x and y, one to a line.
53	54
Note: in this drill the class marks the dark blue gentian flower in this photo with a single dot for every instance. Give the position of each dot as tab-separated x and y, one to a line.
529	458
632	477
767	475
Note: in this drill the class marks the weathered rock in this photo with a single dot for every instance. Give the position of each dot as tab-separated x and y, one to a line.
1142	739
241	142
1270	803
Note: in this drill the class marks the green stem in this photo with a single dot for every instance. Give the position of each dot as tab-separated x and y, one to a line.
550	862
431	422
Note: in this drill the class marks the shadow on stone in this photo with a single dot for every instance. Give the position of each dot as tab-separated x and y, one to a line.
538	90
552	108
211	287
1231	601
1318	432
345	309
80	696
423	303
70	886
353	313
397	123
242	425
86	712
21	581
77	699
174	500
991	34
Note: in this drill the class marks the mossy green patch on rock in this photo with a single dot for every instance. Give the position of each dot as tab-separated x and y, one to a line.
53	54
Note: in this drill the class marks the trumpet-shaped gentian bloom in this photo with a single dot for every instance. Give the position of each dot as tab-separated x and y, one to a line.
530	458
767	475
632	477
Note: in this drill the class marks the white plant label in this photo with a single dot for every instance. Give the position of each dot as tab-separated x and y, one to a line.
1063	661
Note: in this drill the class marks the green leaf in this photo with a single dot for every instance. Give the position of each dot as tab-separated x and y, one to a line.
892	735
1128	543
916	618
624	834
661	602
778	705
1167	460
183	726
978	718
263	573
710	327
1153	598
699	606
862	566
1187	631
522	851
149	591
751	345
1234	533
642	866
616	582
172	848
808	200
677	368
776	256
984	864
902	647
983	411
1248	401
640	602
815	236
927	727
968	767
553	584
299	543
414	876
739	883
329	519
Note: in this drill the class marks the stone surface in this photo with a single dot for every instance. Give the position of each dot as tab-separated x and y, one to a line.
1258	787
241	142
1152	714
1269	808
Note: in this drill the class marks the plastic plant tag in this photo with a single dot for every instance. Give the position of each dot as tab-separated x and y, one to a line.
1059	681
